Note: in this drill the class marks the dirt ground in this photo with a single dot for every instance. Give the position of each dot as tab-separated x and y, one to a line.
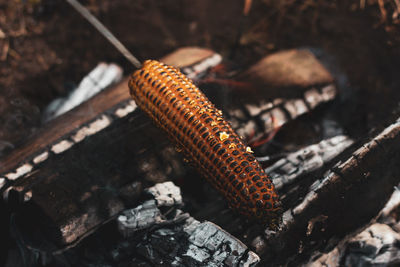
46	47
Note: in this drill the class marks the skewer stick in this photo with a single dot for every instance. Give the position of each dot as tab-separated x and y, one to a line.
105	32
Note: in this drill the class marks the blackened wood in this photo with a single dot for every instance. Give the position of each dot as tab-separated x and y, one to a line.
107	101
307	160
374	244
348	197
157	232
77	188
81	187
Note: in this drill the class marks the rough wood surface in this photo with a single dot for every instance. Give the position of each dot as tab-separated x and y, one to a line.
304	161
376	244
254	120
87	184
88	163
153	235
347	197
109	100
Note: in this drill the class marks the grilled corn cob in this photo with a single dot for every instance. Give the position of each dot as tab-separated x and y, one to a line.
192	122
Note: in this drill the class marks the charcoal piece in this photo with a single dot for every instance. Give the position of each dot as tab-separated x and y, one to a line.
147	214
196	254
180	241
343	200
141	217
377	245
166	194
261	118
131	192
306	160
201	235
313	97
331	128
209	242
285	110
254	109
193	71
74	170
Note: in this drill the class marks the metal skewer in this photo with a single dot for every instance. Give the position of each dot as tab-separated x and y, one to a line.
105	32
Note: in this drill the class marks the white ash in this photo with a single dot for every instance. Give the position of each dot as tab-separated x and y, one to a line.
166	194
97	80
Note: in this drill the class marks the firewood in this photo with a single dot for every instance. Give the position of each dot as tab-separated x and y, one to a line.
77	165
79	176
346	198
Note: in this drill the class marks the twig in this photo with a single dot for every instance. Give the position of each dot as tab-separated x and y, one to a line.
4	52
383	10
14	54
397	2
247	6
2	34
362	4
105	32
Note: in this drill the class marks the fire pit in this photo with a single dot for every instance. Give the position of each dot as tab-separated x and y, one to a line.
101	185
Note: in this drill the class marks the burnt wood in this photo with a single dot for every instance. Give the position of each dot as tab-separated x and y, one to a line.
338	203
75	190
78	188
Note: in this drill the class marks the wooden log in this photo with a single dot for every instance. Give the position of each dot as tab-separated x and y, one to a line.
260	117
307	160
74	174
115	101
374	244
252	120
348	197
200	243
153	235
